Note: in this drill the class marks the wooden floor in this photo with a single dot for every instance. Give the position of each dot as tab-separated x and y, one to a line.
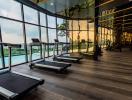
107	79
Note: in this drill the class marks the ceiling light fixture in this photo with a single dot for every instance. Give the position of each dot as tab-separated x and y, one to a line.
51	3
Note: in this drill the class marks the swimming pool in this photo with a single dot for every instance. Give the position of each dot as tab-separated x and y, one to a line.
19	59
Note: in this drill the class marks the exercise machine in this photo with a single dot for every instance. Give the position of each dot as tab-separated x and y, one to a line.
14	84
64	57
86	53
59	66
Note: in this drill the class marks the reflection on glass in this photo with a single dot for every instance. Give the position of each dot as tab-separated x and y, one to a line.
30	15
10	9
11	34
51	21
33	32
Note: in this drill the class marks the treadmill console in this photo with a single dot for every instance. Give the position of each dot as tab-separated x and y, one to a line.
56	40
35	40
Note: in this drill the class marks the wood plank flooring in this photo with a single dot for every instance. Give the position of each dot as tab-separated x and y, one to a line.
110	78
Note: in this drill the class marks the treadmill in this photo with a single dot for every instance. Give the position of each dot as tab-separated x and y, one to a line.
63	57
13	85
86	53
55	65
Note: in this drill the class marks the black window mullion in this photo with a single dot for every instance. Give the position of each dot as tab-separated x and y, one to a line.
24	33
40	33
47	34
2	51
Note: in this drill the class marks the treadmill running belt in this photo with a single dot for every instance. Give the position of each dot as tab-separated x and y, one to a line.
17	83
70	57
53	64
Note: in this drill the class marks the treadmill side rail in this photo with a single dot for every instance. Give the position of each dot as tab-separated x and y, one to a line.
36	78
4	70
48	66
7	94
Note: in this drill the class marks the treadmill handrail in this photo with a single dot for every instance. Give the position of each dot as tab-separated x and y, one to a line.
11	45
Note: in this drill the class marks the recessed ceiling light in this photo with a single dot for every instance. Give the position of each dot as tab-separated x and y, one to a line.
51	3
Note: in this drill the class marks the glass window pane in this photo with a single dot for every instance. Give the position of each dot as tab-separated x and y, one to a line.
84	36
83	24
61	24
75	25
42	19
60	21
91	26
75	41
91	39
70	25
52	36
11	9
11	34
30	15
62	35
44	38
51	21
33	32
43	34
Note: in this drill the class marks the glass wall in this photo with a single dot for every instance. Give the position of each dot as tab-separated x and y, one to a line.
32	31
44	39
91	36
81	30
30	15
10	9
20	23
11	34
51	37
51	21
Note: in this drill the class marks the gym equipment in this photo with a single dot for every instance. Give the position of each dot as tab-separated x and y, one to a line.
64	57
59	66
14	84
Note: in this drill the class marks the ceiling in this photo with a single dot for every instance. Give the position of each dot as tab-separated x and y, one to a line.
117	15
68	8
79	9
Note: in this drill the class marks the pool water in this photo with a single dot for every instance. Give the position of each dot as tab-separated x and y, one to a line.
19	59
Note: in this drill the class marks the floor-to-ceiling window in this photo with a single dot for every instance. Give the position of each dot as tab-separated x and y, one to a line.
61	32
11	30
11	34
81	30
32	31
51	33
91	36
